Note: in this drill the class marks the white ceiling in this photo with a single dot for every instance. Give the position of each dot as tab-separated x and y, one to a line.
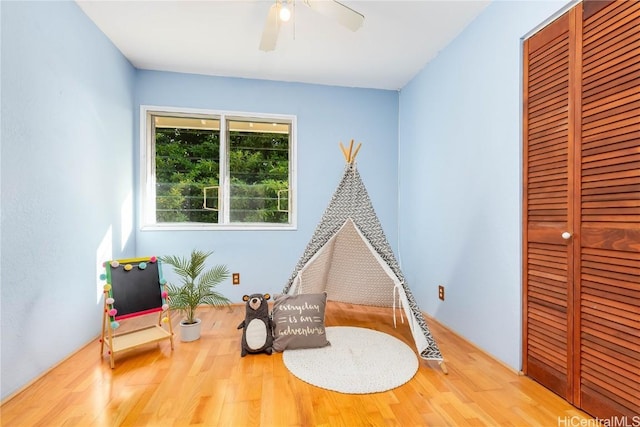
221	38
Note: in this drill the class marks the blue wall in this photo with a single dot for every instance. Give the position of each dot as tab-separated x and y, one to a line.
67	174
460	178
326	115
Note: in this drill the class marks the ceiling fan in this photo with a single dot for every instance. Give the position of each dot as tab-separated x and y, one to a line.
280	12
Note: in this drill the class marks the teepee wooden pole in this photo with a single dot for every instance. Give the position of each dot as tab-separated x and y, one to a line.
350	156
355	153
344	152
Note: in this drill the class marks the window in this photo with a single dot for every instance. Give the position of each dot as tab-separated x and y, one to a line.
204	169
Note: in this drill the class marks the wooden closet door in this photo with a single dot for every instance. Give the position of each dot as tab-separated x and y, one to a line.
608	350
548	211
581	335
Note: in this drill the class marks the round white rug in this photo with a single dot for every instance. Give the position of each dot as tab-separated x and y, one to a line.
358	361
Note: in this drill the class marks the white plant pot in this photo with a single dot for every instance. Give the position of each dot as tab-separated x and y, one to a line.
190	332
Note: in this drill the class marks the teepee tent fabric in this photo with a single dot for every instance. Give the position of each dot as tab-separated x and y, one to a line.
350	258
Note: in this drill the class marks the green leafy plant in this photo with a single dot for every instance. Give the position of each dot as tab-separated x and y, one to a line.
197	287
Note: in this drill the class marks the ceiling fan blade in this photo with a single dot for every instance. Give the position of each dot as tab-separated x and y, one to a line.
336	10
271	29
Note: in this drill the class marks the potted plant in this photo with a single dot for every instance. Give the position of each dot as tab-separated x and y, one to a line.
197	288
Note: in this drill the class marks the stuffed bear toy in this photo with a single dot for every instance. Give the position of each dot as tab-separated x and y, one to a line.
257	336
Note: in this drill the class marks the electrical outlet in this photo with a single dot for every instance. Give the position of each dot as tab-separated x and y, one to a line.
235	278
441	292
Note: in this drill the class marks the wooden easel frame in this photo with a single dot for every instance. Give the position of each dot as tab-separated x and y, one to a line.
118	343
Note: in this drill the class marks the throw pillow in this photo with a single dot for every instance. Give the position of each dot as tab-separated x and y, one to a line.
299	321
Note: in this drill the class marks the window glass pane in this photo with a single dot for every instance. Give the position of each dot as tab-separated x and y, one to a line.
187	167
258	171
196	174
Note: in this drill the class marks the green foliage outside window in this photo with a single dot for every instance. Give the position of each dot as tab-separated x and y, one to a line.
187	161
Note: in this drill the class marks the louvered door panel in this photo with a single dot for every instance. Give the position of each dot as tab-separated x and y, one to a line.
546	206
609	278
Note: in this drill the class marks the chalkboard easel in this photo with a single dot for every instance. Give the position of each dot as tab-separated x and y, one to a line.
134	287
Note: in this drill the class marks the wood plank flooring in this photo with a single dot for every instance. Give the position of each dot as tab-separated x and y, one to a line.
207	383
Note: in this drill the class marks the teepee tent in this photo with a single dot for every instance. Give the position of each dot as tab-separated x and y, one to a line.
350	258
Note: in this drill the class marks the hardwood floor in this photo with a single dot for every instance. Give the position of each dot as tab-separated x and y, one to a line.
207	383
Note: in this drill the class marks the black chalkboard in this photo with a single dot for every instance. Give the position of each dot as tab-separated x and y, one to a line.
135	290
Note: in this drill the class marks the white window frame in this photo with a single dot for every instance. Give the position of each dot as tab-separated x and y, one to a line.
147	186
